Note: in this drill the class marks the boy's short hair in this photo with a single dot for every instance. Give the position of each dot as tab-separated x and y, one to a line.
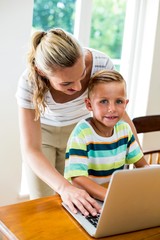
104	76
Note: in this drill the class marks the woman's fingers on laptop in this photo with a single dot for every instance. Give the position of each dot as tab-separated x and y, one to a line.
90	205
76	198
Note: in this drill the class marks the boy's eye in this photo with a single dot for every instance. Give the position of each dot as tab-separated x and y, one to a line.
103	101
119	101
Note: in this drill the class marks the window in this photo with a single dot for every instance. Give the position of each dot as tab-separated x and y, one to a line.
54	13
105	22
107	27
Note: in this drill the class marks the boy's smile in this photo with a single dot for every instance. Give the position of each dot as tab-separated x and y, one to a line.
107	102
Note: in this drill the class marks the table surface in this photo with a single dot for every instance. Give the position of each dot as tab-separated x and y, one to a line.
45	218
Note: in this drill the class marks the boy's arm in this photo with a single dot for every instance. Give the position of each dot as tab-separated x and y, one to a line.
94	189
141	163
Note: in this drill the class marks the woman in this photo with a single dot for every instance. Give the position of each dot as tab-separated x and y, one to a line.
50	96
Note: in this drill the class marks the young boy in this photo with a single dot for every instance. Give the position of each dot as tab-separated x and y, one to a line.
103	143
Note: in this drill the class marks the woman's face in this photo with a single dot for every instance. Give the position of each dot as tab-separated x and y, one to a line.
68	80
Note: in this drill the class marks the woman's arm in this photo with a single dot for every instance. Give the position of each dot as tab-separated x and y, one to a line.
30	133
127	119
94	189
142	162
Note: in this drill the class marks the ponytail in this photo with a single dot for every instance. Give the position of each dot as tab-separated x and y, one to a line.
41	85
49	51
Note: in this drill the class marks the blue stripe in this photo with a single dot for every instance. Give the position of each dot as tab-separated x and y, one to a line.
97	147
75	167
77	152
107	152
103	173
130	141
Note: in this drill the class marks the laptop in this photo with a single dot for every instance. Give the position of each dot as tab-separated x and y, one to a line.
132	203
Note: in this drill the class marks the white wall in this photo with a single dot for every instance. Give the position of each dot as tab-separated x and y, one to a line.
140	61
153	106
15	27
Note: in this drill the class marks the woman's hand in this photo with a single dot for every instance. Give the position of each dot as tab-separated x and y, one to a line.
73	197
76	198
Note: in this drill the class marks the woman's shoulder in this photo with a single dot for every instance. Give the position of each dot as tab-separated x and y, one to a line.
97	53
100	60
24	93
24	80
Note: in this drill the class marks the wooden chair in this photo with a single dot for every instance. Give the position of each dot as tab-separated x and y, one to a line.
147	124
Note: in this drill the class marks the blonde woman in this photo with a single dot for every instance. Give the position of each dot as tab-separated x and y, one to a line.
50	95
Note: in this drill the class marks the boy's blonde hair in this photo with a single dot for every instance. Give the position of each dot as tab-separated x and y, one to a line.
49	51
104	76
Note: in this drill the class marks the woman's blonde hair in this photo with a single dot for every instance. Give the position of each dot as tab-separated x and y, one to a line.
49	51
104	76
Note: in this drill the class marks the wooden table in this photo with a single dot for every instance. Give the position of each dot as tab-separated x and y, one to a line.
45	218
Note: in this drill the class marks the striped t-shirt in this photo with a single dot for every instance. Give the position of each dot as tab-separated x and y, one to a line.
61	114
89	154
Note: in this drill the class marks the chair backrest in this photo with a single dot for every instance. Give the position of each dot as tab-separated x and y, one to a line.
146	124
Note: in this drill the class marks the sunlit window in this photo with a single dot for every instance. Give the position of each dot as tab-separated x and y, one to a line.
107	26
54	13
107	22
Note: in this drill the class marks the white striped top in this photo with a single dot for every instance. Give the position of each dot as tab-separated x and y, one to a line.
61	114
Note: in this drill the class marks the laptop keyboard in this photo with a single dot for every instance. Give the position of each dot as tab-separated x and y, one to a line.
93	219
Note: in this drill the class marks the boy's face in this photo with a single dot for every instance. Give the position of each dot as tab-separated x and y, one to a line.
108	102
